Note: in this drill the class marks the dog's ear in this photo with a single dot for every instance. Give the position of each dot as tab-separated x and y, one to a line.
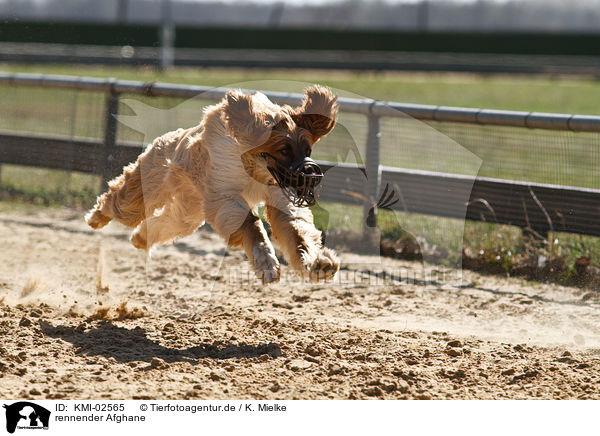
249	127
318	113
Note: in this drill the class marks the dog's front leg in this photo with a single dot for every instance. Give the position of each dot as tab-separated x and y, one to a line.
300	241
251	235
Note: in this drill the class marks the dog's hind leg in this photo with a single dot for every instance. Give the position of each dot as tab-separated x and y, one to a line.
159	229
123	202
181	216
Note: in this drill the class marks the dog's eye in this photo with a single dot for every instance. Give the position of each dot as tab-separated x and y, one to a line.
285	151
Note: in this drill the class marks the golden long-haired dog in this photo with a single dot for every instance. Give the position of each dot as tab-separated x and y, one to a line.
246	151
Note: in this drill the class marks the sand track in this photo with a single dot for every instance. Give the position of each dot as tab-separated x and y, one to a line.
86	316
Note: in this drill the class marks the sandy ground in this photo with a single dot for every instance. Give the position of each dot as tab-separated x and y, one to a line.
86	316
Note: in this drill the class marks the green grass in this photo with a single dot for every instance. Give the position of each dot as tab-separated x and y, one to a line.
47	187
543	94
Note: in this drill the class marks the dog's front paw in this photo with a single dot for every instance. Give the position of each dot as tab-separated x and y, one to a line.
266	266
325	266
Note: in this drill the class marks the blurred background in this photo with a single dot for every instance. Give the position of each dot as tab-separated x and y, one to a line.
528	55
465	15
431	35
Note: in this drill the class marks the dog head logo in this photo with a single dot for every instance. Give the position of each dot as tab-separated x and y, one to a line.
26	415
279	142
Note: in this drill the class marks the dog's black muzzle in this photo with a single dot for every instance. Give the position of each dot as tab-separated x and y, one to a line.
300	182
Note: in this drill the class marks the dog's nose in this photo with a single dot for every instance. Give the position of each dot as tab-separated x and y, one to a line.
308	169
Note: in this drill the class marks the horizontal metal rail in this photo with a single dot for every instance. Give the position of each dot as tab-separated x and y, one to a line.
534	120
566	209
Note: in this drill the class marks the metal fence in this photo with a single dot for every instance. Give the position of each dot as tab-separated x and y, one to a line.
538	206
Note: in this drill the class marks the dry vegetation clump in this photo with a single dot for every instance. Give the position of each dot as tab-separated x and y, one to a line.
536	258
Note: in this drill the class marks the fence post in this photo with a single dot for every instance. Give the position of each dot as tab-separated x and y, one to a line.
372	167
167	36
110	135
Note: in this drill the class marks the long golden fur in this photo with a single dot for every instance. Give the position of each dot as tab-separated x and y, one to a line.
216	172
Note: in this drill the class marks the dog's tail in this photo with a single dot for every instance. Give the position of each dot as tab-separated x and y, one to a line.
123	202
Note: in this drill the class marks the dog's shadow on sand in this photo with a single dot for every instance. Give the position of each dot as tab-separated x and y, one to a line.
129	345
